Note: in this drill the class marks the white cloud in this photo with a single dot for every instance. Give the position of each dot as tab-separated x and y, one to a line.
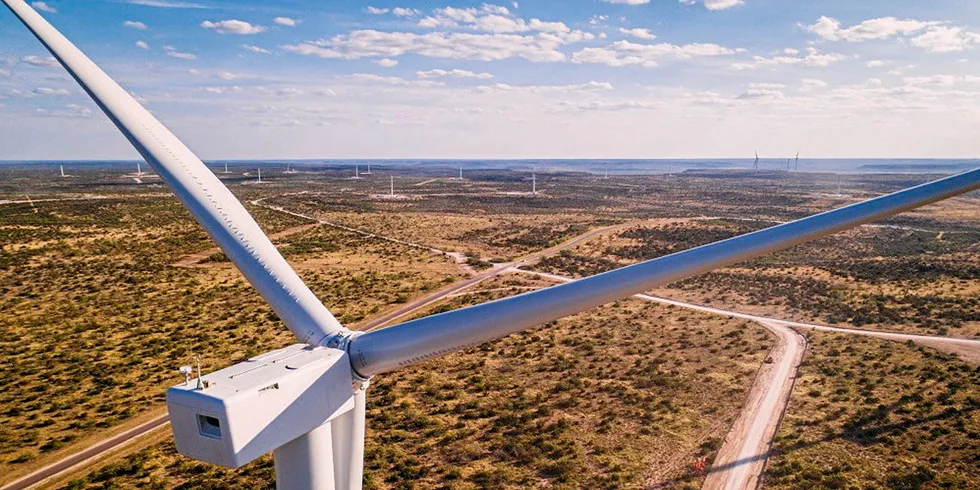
625	53
405	12
609	105
45	61
810	84
233	26
830	28
368	77
716	4
285	21
376	11
4	73
496	19
934	36
255	49
763	91
142	44
227	75
174	53
44	7
638	33
813	58
628	2
454	73
598	19
135	24
946	39
71	111
486	47
167	4
935	81
876	63
51	91
386	62
585	87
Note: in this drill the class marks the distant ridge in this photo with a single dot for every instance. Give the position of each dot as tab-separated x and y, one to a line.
920	167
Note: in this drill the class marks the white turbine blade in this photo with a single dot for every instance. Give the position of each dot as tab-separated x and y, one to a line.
408	343
211	203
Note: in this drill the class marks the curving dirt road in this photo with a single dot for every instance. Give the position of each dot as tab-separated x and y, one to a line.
744	453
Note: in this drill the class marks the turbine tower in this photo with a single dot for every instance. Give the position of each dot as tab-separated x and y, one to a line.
534	183
797	166
369	169
260	176
460	172
226	169
139	170
357	171
306	403
756	165
62	167
391	190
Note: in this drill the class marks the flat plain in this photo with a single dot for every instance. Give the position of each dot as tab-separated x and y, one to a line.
108	286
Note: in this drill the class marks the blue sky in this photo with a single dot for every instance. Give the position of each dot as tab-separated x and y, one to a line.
570	79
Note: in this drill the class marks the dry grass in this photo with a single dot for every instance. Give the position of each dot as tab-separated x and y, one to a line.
874	414
623	397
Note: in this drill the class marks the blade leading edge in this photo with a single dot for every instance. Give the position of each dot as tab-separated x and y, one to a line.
383	350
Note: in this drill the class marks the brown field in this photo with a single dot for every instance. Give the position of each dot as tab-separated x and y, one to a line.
95	318
867	413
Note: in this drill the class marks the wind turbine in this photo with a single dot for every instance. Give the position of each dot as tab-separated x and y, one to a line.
62	167
369	169
357	172
756	165
306	402
226	169
139	170
797	166
460	172
534	182
260	176
391	190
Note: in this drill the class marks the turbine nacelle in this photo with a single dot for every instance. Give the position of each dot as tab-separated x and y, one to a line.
232	416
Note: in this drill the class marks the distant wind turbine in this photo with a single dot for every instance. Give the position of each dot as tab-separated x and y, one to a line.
756	166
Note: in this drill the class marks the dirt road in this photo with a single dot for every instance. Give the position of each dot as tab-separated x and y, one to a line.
743	455
90	453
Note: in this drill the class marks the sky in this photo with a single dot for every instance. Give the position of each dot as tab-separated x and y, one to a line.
296	79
